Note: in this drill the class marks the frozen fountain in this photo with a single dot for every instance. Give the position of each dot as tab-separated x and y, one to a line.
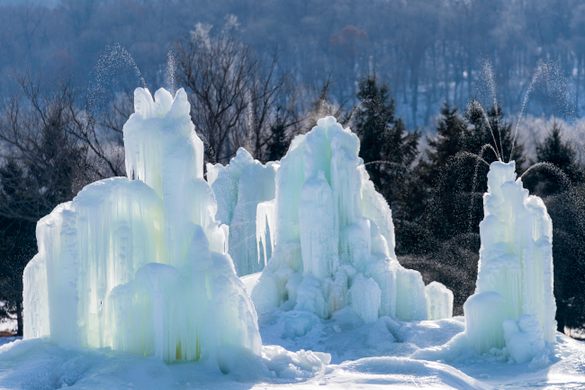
513	305
333	238
139	264
239	188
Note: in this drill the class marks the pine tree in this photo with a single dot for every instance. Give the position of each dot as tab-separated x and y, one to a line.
17	239
553	150
387	149
448	142
490	128
279	143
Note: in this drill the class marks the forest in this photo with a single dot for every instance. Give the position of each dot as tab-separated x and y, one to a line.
429	52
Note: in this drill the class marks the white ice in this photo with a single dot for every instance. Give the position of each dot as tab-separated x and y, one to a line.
333	238
513	308
140	265
515	263
240	187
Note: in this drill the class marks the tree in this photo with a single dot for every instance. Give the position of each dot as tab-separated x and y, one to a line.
450	139
17	238
234	95
387	149
490	128
279	142
563	157
44	165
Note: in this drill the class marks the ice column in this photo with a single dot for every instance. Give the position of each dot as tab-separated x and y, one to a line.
513	305
240	187
333	235
141	265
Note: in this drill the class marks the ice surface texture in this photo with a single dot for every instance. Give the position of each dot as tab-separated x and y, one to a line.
140	264
333	237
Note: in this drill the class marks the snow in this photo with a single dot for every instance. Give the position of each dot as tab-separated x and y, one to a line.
332	237
376	355
240	187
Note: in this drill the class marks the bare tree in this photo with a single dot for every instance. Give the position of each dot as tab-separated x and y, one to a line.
235	96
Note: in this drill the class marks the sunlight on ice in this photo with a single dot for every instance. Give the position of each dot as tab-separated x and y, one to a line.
141	265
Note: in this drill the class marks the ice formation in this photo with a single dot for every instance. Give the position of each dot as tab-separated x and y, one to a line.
239	188
141	265
513	305
333	237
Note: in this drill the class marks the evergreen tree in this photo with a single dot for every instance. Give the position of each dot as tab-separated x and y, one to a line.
490	128
449	173
387	149
17	239
279	143
450	140
563	156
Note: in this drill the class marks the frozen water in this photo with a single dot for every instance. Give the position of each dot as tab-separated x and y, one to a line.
332	236
240	187
141	265
513	305
439	301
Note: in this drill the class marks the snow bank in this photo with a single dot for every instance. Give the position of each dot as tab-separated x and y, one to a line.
140	265
240	187
40	364
333	237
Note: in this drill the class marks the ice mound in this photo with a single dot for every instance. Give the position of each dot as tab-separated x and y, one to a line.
513	308
239	188
333	237
141	265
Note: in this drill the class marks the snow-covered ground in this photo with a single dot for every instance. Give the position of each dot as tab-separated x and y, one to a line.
375	355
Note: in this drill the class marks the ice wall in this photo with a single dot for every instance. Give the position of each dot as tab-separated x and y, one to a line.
141	265
333	236
513	305
239	188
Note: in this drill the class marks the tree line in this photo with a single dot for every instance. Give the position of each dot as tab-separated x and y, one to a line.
429	51
53	144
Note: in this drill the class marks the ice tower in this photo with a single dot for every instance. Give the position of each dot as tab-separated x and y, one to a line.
513	305
239	188
333	237
141	265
